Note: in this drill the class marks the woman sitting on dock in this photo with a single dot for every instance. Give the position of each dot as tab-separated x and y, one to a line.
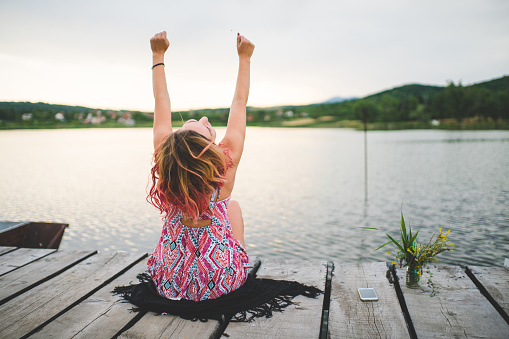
201	252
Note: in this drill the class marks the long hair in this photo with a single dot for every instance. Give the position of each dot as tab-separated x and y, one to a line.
187	170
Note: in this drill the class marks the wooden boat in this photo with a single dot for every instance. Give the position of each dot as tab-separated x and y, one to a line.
30	234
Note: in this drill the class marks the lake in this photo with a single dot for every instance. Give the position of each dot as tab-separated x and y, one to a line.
302	191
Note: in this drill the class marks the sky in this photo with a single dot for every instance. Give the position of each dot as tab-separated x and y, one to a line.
96	53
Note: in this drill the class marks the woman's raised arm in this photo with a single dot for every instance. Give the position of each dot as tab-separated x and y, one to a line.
162	110
236	128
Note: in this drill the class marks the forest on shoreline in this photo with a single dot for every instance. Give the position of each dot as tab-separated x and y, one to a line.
483	105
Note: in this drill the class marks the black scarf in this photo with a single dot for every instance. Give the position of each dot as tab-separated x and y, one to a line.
256	298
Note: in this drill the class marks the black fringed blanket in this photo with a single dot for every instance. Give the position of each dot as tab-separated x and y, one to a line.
256	298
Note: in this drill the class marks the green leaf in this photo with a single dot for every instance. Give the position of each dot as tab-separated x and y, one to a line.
368	228
403	229
396	243
412	239
388	242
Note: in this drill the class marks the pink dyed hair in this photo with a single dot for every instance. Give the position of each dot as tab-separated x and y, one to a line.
187	169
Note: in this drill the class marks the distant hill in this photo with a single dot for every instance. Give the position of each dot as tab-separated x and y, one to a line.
338	99
40	106
418	102
498	84
426	91
487	101
401	92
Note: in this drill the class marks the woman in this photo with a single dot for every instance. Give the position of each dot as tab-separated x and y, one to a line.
201	252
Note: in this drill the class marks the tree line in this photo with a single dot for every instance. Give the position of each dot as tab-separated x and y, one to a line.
487	101
453	102
421	103
40	114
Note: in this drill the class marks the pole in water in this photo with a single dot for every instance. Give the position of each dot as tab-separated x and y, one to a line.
365	154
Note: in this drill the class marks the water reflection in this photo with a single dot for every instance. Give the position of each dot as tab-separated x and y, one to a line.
302	190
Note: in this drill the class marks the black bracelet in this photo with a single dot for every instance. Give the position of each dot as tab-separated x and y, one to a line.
161	63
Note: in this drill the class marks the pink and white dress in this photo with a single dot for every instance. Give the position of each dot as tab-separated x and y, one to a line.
198	263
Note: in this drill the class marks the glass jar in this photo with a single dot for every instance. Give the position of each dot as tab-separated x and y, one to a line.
413	275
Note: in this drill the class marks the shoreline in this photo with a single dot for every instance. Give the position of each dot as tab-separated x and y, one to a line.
296	123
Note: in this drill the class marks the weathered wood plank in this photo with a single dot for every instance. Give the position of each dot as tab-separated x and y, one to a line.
296	321
35	308
22	256
6	249
168	326
29	276
458	310
102	315
349	317
495	280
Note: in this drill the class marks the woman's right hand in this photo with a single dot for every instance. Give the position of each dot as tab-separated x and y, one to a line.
245	47
159	43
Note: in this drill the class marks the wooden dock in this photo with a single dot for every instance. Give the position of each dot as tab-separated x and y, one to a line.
67	294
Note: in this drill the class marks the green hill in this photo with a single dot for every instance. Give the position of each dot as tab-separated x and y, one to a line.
418	104
498	84
402	92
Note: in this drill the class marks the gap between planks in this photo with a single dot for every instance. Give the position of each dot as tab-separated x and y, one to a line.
27	277
31	311
496	295
22	256
455	311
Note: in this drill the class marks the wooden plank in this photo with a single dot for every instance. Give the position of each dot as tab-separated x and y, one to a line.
21	257
349	317
37	307
495	282
29	276
6	249
169	326
296	321
458	310
102	315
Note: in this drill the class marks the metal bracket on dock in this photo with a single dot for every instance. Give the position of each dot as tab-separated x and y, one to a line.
402	303
324	328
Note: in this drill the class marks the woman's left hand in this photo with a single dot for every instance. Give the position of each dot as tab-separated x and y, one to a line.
159	43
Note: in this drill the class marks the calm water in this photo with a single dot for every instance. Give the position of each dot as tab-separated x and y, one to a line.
302	190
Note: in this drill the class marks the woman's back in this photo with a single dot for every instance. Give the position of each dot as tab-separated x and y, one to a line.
198	263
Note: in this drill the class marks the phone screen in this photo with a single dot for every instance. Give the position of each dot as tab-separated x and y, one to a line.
367	294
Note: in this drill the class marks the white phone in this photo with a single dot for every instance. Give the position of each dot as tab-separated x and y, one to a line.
367	294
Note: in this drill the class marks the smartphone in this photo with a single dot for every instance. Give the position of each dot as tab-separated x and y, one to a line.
367	294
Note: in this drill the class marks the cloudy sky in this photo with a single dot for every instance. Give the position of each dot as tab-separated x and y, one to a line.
96	53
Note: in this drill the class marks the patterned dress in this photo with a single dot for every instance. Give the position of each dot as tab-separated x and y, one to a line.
198	263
